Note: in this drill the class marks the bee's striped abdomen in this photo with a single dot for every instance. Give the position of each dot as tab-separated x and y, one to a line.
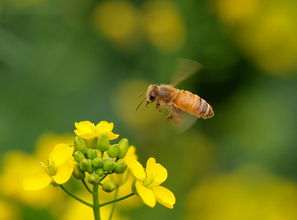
193	104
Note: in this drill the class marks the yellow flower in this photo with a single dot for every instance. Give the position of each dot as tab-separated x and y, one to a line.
87	130
58	169
17	165
164	25
147	184
245	194
108	20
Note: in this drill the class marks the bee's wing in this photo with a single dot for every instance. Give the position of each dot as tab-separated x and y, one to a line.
181	120
184	69
186	121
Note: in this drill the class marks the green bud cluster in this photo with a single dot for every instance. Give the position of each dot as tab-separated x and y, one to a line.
99	158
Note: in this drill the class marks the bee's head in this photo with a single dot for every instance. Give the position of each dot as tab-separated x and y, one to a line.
151	93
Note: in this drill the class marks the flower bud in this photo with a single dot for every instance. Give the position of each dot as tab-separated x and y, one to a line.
119	167
91	154
92	143
108	186
123	148
108	164
100	172
86	165
97	162
78	156
93	178
103	143
80	145
113	150
77	173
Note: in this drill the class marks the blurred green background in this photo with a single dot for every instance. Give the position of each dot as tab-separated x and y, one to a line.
66	61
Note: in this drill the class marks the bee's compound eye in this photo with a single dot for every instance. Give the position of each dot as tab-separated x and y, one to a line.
152	97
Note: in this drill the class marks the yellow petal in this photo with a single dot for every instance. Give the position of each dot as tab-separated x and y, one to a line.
160	174
112	136
60	154
136	169
37	181
64	172
104	127
146	194
150	164
164	196
155	172
131	155
85	129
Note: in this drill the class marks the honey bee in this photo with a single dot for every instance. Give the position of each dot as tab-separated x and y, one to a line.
178	101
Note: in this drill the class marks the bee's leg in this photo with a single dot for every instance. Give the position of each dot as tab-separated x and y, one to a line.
158	106
169	117
175	114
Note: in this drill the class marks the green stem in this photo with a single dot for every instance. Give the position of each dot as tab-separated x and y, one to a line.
75	197
114	204
96	205
86	186
117	200
102	178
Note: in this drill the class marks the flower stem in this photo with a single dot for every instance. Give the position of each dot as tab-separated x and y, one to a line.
103	177
117	200
114	204
86	186
96	205
75	197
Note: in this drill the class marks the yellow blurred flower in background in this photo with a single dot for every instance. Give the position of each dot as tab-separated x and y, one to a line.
270	39
249	193
236	11
45	143
125	25
265	30
7	211
117	21
76	210
164	25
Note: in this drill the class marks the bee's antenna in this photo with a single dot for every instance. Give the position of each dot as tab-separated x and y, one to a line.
141	95
140	103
